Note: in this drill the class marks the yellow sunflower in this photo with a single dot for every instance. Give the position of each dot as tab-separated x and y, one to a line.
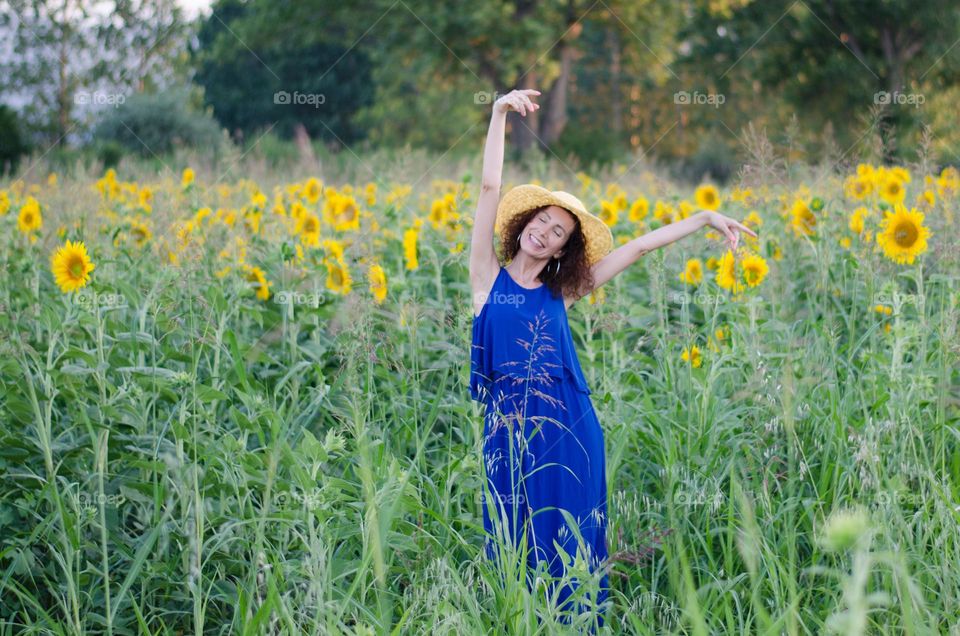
30	219
71	266
410	248
803	219
754	269
902	234
338	276
707	197
378	283
726	275
692	355
892	189
693	272
255	275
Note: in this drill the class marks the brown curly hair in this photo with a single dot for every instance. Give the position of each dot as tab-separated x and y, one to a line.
575	278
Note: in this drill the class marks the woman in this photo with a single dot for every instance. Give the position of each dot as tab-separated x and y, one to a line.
543	446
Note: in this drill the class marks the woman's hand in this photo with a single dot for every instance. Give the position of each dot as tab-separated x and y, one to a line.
518	100
728	227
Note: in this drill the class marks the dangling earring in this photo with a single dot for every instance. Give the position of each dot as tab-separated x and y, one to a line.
558	267
518	239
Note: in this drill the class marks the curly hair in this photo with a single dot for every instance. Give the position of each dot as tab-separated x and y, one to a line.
575	278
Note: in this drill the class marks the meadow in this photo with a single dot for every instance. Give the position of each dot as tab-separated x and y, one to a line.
240	405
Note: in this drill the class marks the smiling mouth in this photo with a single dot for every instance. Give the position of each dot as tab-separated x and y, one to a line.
536	241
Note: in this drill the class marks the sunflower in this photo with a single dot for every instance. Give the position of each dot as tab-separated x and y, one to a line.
608	213
892	190
140	232
410	248
693	272
856	219
639	210
803	219
726	273
858	187
71	266
186	180
707	197
312	190
30	219
255	275
338	277
754	269
308	227
378	283
692	355
4	202
902	234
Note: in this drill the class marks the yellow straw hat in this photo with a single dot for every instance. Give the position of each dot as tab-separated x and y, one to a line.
523	198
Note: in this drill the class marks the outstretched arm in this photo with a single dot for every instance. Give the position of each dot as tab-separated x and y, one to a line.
628	253
483	259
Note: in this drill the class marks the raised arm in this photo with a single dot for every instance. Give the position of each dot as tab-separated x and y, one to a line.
628	253
483	258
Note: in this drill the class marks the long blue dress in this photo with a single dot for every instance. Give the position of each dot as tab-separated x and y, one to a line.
524	369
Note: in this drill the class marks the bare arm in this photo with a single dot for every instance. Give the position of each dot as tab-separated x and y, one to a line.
628	253
483	259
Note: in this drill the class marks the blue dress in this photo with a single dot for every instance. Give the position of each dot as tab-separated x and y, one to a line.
524	369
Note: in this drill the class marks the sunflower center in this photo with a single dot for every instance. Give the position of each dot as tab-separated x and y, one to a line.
905	234
75	267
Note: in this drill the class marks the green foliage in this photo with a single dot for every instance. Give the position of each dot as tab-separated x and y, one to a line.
13	143
152	125
276	87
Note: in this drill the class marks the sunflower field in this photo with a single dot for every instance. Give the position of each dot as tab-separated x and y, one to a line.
242	407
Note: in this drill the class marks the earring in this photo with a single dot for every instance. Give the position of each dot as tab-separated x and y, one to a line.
518	239
558	267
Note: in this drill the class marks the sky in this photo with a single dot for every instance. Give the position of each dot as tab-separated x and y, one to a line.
193	7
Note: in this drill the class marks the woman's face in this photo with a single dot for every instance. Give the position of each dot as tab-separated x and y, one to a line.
547	232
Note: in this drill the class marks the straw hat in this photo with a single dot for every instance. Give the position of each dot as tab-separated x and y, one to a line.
523	198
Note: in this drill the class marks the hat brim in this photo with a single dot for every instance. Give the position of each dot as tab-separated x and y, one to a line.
597	236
